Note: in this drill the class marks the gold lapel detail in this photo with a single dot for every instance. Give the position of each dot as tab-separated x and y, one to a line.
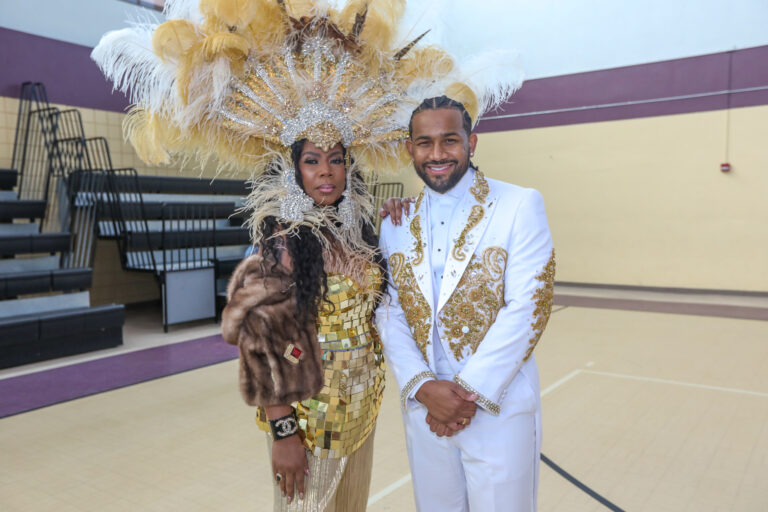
480	189
415	307
543	298
418	248
418	202
475	216
473	306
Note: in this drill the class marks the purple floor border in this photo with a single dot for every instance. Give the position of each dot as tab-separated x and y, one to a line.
48	387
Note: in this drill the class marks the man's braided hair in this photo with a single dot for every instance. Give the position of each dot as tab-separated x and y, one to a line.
444	102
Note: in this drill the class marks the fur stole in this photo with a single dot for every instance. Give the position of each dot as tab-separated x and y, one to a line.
259	319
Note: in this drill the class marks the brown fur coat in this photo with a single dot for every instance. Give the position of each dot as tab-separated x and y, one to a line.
259	319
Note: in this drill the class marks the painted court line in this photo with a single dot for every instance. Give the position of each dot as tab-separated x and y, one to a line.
560	382
677	383
389	489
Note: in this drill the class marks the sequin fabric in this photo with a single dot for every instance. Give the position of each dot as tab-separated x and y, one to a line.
337	421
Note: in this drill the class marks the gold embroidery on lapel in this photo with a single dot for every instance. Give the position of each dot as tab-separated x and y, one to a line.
543	298
480	189
416	309
475	216
473	306
418	202
419	247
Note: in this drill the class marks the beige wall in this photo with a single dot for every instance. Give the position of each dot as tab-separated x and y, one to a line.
643	201
638	202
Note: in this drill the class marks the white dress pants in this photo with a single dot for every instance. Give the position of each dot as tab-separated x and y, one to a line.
490	466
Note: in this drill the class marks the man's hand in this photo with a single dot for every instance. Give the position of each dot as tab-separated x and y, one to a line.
443	430
447	402
394	208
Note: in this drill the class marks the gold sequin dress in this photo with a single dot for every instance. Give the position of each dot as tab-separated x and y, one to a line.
339	419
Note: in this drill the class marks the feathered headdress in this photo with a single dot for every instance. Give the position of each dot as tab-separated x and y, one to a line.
241	80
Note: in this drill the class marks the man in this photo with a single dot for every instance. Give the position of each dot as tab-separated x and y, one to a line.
472	270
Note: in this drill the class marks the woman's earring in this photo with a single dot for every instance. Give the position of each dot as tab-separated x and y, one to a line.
296	202
346	208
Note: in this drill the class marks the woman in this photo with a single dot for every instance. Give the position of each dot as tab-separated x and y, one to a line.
301	313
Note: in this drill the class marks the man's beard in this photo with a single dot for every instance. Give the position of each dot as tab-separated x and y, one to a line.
443	186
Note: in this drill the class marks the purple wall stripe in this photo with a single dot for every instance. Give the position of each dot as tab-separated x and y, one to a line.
70	76
655	89
33	391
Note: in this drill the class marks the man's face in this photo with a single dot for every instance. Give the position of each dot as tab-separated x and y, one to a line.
440	148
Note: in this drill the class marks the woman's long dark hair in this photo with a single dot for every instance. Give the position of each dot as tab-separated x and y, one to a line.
306	252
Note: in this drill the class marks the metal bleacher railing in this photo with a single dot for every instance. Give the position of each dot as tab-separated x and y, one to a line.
381	192
49	208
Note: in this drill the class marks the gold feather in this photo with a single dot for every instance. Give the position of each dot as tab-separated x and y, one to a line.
381	20
224	42
188	64
233	13
145	133
424	63
268	29
173	38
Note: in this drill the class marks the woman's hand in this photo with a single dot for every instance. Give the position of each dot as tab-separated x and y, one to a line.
394	207
289	460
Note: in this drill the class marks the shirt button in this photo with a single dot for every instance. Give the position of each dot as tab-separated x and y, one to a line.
442	222
439	250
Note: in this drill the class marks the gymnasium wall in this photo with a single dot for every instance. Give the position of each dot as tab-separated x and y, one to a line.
628	161
622	125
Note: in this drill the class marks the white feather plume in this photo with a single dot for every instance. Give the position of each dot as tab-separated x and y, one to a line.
478	39
126	58
494	75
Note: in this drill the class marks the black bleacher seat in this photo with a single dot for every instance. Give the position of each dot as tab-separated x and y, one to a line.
8	178
59	280
34	243
21	209
153	210
154	240
37	337
186	185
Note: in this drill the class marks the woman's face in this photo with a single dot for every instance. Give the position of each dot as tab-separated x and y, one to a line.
322	173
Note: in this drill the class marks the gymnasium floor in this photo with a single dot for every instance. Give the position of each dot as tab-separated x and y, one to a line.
654	411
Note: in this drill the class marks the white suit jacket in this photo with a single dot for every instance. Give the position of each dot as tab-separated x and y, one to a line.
496	293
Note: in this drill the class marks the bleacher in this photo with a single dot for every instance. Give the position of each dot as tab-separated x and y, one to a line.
48	213
184	231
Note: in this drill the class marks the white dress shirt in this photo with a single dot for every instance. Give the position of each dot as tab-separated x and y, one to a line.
442	208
